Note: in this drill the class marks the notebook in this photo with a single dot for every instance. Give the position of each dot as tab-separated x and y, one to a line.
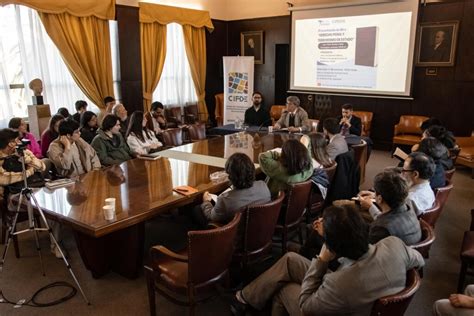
186	190
151	156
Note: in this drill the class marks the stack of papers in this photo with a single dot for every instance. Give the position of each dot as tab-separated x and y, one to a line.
59	183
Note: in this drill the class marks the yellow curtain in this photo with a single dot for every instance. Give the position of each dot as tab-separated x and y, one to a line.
84	43
195	44
153	54
103	9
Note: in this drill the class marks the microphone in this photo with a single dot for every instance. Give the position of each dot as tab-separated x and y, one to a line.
264	122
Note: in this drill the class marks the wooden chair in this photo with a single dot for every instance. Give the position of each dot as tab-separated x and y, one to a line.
467	254
366	118
292	212
172	137
275	112
184	278
174	117
256	230
449	174
466	154
397	304
197	132
191	113
431	215
427	239
360	156
316	200
219	108
441	194
408	130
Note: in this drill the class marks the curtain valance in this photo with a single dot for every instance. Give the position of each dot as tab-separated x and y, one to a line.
103	9
162	14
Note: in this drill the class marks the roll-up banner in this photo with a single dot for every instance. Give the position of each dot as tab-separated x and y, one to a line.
238	87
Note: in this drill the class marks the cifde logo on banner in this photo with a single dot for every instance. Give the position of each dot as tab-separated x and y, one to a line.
238	86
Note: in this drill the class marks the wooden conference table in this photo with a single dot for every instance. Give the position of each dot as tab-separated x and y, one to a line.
143	189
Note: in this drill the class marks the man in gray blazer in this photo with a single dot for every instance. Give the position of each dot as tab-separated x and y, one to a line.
367	272
294	117
337	144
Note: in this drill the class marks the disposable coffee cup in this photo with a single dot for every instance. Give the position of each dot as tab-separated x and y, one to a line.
270	129
109	212
111	202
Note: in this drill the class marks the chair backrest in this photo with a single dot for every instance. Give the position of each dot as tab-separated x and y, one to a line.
275	112
173	137
454	153
397	304
448	174
297	200
219	110
360	156
174	115
441	194
410	124
427	239
197	131
191	113
210	251
256	228
366	118
331	171
431	215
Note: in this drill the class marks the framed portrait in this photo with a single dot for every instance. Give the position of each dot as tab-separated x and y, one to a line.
436	45
252	44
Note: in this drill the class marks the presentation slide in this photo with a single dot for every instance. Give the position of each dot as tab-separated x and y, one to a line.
362	49
355	52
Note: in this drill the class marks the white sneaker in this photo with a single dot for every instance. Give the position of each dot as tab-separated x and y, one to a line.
55	251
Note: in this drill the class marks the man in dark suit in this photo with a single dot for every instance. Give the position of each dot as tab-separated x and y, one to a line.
349	124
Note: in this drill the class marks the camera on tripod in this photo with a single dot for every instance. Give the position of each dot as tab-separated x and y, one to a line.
23	143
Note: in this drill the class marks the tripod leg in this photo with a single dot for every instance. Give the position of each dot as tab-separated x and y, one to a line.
34	225
10	232
51	235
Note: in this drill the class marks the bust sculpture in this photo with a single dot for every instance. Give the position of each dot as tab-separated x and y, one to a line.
37	86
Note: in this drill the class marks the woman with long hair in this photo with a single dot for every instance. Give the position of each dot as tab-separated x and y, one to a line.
51	133
18	124
140	139
317	145
291	165
88	126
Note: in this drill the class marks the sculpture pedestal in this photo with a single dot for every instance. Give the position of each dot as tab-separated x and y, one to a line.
38	119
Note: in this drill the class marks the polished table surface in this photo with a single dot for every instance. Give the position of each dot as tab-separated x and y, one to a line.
142	190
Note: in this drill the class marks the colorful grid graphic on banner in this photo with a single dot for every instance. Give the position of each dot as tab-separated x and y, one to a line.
238	82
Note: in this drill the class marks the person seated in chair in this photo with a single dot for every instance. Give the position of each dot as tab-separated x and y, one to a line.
120	111
110	144
298	286
70	154
436	150
257	114
456	304
387	206
245	191
337	144
292	165
156	120
294	117
349	123
81	107
140	139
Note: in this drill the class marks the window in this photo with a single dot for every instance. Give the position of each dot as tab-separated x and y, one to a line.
176	85
27	52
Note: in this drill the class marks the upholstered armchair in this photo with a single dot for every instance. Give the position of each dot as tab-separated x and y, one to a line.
174	116
466	155
219	110
275	112
408	130
366	118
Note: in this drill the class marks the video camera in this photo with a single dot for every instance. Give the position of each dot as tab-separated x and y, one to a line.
20	147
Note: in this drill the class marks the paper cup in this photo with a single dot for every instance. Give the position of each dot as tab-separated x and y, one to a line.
110	201
270	129
109	212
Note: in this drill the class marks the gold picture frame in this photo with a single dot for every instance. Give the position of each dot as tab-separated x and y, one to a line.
253	44
436	46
